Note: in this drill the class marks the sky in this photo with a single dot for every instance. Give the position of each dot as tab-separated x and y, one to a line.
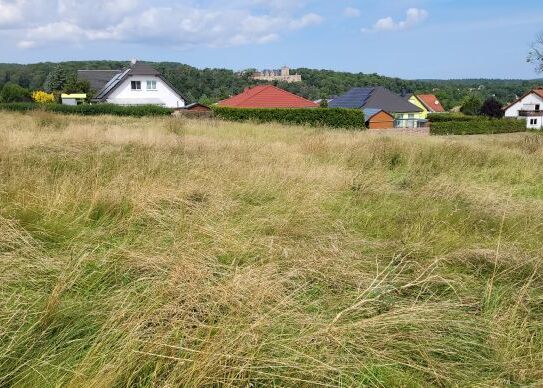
411	39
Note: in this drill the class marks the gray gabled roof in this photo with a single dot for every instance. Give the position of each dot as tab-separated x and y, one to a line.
97	78
136	69
374	98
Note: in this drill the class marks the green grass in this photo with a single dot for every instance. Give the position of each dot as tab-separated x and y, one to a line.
174	252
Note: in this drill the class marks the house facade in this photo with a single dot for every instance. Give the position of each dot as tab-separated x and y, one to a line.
529	107
428	103
138	85
406	115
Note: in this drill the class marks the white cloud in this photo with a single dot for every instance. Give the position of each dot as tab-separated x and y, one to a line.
178	24
413	17
11	12
351	12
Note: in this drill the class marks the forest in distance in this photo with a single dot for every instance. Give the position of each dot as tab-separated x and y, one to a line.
211	85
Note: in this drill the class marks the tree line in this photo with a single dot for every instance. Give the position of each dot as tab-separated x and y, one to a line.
211	85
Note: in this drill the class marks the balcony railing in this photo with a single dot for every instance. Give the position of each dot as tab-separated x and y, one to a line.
530	113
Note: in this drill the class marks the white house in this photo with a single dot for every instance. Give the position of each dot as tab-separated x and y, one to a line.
529	107
138	85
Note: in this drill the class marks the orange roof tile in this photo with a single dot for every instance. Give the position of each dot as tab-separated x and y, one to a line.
267	96
431	102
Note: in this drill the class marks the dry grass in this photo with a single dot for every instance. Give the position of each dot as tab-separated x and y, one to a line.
175	252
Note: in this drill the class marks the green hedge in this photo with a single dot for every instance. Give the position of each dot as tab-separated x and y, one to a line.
330	117
90	110
439	117
474	127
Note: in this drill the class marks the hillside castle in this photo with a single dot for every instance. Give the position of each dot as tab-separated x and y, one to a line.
282	75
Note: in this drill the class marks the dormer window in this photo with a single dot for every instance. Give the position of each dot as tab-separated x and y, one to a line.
135	85
151	85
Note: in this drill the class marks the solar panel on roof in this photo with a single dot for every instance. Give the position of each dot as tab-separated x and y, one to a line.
354	98
111	83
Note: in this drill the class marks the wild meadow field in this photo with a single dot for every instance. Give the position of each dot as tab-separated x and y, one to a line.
166	252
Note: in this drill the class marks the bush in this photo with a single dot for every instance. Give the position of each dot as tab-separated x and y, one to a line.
42	97
492	108
335	117
438	117
14	93
471	106
480	126
92	110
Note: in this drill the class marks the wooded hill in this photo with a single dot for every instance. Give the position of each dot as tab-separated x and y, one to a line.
210	85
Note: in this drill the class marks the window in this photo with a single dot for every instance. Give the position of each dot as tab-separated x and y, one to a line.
537	107
533	121
151	85
136	85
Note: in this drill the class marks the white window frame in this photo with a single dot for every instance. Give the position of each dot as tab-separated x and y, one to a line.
132	83
148	82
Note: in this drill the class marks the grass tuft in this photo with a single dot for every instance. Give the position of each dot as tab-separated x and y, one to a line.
175	252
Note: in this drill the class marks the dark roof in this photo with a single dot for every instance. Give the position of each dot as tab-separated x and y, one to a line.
97	78
376	98
354	98
136	69
195	105
140	68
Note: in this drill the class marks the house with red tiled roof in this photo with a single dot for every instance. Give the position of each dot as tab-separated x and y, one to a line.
427	102
267	96
529	107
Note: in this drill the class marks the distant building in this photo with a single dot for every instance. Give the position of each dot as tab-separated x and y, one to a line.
529	107
282	75
267	96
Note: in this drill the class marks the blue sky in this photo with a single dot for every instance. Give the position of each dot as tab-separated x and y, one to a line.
404	38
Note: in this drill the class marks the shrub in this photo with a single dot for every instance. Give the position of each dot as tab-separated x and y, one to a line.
92	110
14	93
42	97
480	126
471	106
492	108
438	117
335	118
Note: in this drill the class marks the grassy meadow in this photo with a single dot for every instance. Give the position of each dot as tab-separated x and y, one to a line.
166	252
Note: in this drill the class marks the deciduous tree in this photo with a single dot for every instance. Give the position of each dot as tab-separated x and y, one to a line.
492	108
536	53
12	92
471	106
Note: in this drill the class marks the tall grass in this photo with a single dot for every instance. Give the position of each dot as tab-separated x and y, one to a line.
154	252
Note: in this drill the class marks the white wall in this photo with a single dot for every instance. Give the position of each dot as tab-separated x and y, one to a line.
530	99
163	92
538	122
